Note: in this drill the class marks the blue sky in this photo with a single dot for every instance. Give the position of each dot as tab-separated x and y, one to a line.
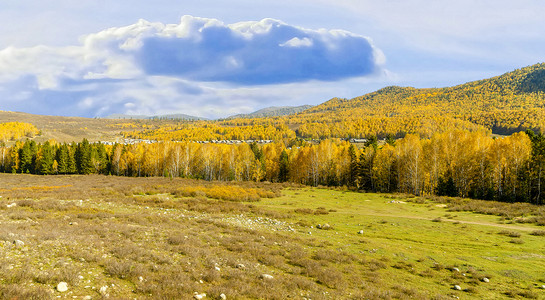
214	58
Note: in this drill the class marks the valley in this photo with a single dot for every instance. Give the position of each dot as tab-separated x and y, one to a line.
117	237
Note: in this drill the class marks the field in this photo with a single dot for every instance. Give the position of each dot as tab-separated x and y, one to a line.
161	238
74	129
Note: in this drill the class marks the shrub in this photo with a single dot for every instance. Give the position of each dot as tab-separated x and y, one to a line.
512	234
225	192
517	241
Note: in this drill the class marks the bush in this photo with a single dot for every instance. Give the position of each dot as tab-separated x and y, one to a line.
225	192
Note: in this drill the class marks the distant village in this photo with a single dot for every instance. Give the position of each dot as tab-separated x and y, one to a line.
227	142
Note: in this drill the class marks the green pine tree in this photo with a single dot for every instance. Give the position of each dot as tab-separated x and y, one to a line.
283	173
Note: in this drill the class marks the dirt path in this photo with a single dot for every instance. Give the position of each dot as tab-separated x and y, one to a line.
505	226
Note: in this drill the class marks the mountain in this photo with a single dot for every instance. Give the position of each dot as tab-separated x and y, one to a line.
503	104
274	111
158	117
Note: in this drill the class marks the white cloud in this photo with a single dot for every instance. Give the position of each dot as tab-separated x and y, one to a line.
297	42
199	66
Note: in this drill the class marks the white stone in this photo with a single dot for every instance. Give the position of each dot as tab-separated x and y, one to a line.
455	269
241	266
62	287
360	232
223	297
266	277
486	280
18	243
199	296
457	287
103	290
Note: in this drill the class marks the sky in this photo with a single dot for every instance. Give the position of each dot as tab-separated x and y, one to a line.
213	59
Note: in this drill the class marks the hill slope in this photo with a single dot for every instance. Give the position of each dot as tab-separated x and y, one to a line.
274	111
511	102
176	117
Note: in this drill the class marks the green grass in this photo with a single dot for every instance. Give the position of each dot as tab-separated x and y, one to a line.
405	233
142	239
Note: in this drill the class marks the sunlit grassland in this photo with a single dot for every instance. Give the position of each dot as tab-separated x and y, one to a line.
427	236
146	238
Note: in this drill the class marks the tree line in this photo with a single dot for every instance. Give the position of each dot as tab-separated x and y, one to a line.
454	163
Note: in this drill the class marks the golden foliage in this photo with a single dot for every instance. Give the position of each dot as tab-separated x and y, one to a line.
16	130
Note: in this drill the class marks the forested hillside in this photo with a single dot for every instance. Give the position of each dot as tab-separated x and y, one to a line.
273	111
504	104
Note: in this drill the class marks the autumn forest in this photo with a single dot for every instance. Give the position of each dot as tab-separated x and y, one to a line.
419	141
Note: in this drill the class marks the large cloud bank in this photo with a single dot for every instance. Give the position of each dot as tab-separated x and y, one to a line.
199	66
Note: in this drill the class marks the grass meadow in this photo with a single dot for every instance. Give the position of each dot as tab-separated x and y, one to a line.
159	238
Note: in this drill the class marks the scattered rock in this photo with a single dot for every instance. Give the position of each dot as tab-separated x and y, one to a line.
543	287
319	226
223	297
486	280
19	243
360	232
11	205
103	290
457	287
266	277
62	287
241	266
199	296
87	298
309	232
217	269
455	269
140	278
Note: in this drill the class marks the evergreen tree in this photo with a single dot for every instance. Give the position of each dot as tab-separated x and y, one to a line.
390	139
27	156
446	186
372	141
365	167
283	173
354	171
62	159
99	158
536	167
72	166
258	153
83	158
44	160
